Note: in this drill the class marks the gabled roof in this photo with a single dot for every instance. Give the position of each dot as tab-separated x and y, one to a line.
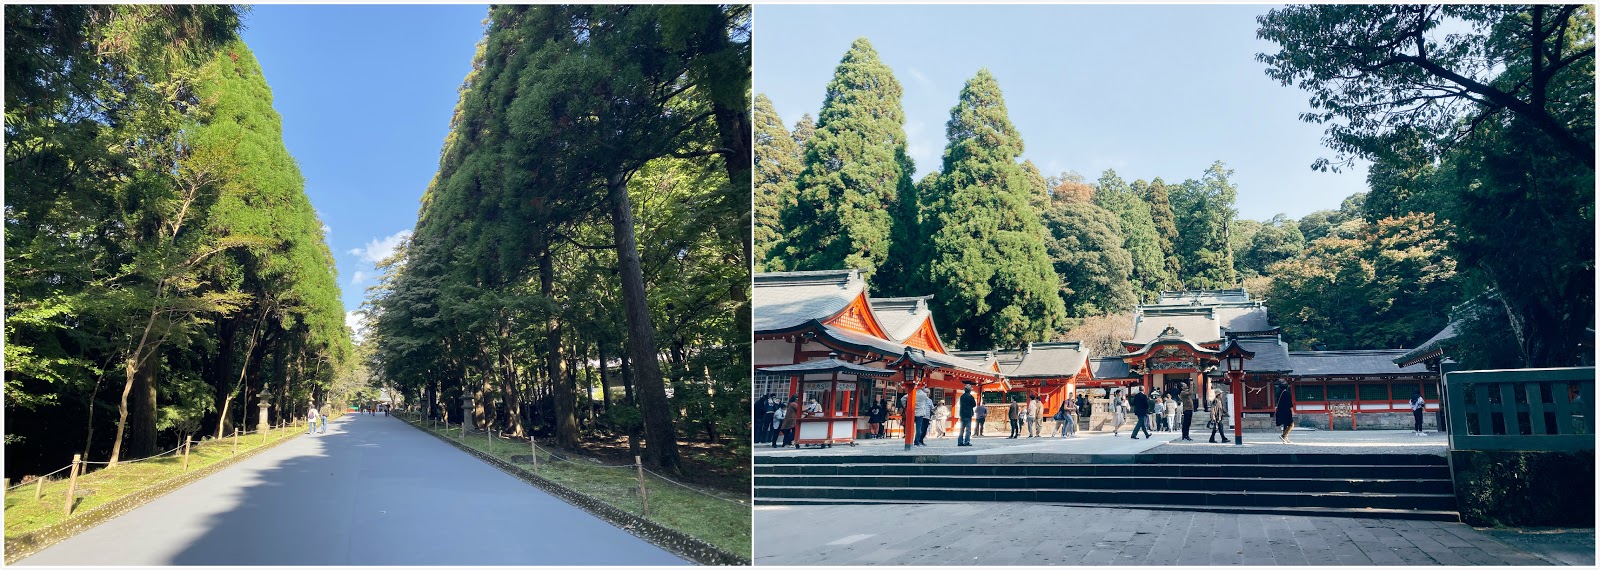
1109	367
1272	355
784	300
828	365
1049	360
901	316
987	357
1198	325
1350	363
1243	317
1203	297
1430	348
894	349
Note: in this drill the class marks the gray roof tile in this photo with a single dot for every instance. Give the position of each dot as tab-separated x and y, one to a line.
1350	363
784	300
1048	359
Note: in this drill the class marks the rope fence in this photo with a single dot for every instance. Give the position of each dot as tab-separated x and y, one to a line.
39	480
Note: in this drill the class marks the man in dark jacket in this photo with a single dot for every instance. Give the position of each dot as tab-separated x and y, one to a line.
1016	419
1141	412
968	404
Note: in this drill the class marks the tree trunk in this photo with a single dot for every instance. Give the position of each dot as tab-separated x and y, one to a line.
566	424
142	411
661	435
605	381
508	381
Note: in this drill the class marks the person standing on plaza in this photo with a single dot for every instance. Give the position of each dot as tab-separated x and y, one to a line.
965	409
980	413
1141	412
791	418
1417	405
778	413
941	420
923	410
1158	409
761	414
1118	412
1284	415
1173	408
1035	415
1069	417
1015	415
1191	402
1219	416
875	417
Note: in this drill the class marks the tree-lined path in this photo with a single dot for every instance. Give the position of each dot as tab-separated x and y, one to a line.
371	491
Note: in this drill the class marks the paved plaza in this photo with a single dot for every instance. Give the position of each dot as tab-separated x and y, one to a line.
371	491
970	534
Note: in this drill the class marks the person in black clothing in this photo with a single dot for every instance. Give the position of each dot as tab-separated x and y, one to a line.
1016	419
1190	404
1141	412
964	411
876	416
1284	415
761	414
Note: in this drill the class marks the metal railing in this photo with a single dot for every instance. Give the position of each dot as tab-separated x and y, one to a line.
1536	409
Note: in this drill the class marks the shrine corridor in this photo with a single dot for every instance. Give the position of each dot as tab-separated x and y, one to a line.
371	491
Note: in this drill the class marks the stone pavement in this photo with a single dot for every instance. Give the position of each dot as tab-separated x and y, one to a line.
969	534
371	491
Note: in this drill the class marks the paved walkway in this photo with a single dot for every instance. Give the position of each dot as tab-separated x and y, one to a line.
371	491
1024	534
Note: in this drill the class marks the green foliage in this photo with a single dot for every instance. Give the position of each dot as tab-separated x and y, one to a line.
1204	211
1266	243
990	273
1086	250
1381	288
1138	232
854	172
777	167
1156	195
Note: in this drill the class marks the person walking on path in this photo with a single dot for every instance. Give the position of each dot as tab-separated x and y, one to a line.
941	420
1417	405
1069	417
311	420
1219	416
980	413
1285	412
1035	415
791	418
1191	402
924	409
322	420
965	410
1118	413
1141	412
1015	415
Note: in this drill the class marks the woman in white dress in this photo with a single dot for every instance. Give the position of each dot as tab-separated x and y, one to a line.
1117	414
941	419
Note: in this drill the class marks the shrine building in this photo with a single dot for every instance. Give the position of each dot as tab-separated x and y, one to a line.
880	346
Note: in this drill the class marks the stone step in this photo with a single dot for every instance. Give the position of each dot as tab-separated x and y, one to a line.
1408	514
1113	470
1119	483
1276	499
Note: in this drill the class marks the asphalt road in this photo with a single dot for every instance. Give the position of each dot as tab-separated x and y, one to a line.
371	491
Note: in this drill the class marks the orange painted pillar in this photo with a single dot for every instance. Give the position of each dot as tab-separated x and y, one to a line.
908	422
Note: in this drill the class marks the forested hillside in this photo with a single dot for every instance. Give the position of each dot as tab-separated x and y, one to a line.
587	227
1480	195
164	269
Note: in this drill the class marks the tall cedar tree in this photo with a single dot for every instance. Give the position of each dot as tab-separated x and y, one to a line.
1138	232
777	167
803	130
1157	196
991	276
853	176
1204	210
1086	250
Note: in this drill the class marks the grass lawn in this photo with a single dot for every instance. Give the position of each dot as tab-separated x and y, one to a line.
24	514
716	519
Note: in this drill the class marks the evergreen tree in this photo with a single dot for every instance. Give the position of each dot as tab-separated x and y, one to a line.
1138	231
1156	195
1086	250
803	130
1204	210
990	274
777	166
855	170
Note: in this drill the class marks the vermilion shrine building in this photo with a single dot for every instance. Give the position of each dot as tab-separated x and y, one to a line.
806	316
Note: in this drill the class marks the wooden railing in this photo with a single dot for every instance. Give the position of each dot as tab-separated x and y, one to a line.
1539	409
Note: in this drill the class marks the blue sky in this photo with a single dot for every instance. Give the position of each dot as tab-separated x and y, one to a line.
1147	90
366	94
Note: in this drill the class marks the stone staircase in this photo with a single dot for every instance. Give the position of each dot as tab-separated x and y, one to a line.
1404	486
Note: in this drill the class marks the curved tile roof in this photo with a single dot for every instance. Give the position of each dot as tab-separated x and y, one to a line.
785	300
901	316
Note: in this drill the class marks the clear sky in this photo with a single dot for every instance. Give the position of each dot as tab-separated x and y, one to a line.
366	94
1147	90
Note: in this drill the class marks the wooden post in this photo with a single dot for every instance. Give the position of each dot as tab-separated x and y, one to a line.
187	441
236	440
38	489
72	483
532	447
643	496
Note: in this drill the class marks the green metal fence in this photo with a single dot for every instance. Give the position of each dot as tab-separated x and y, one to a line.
1536	409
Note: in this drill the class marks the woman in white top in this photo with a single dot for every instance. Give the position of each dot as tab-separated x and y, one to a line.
1117	415
941	419
1174	410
